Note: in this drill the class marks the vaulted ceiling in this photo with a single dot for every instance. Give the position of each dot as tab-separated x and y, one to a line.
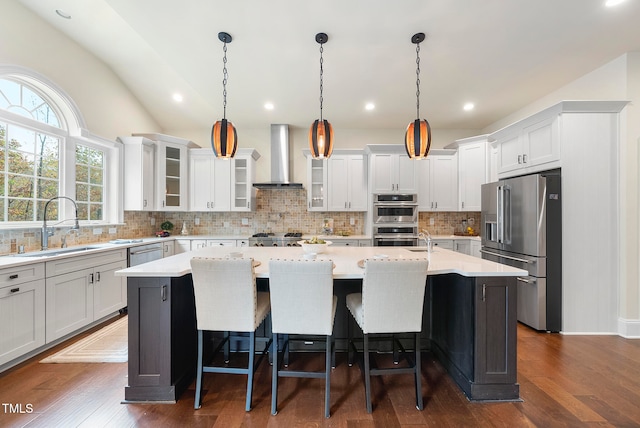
498	54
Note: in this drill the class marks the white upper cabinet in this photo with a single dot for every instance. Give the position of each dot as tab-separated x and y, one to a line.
316	183
209	181
347	182
221	184
438	181
472	171
243	173
529	146
139	173
391	170
172	171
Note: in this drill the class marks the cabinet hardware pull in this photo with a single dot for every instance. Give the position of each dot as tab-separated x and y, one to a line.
524	158
349	204
462	205
90	278
249	205
519	159
507	257
526	281
484	292
14	290
14	276
436	204
163	293
144	203
98	277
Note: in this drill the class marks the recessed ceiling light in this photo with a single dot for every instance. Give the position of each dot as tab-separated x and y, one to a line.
369	106
611	3
178	98
468	106
269	106
63	14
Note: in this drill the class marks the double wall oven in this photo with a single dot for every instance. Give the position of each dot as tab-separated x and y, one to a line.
395	220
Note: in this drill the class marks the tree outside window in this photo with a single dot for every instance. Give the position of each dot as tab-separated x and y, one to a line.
89	182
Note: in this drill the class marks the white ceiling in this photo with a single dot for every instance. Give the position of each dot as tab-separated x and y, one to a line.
499	54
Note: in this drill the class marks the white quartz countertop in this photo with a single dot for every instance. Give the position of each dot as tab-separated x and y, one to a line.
441	261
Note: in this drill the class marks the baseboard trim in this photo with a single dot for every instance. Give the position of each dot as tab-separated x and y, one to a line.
629	329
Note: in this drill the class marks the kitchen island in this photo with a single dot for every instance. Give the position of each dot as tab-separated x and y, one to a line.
469	317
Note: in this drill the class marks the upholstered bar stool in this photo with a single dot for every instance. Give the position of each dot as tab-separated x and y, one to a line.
391	301
302	303
226	300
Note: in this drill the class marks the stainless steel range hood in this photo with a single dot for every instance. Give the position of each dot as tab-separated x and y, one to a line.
280	160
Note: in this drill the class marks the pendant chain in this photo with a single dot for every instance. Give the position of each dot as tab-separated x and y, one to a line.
418	81
225	77
321	86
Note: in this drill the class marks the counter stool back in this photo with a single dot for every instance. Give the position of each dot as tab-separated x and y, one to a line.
226	300
302	302
391	301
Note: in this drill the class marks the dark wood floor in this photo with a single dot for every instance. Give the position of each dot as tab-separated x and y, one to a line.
564	381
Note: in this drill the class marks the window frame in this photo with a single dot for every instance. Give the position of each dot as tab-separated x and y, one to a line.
75	133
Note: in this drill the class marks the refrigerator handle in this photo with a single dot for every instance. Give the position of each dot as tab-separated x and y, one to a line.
500	214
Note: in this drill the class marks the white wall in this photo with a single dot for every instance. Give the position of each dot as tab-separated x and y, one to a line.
108	107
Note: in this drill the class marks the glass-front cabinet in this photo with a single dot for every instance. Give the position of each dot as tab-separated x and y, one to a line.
316	184
243	194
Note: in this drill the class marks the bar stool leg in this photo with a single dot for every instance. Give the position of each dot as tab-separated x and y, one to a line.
227	347
327	378
251	368
396	352
198	400
367	373
418	368
274	375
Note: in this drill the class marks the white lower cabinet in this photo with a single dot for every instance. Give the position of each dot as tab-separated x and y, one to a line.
345	243
443	243
80	290
474	248
181	246
462	246
22	310
196	244
168	248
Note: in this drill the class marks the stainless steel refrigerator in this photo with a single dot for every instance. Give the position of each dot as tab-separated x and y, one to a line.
522	227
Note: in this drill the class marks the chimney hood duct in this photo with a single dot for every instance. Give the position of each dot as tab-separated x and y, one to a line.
280	160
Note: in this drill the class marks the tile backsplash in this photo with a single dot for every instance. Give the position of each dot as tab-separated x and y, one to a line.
282	210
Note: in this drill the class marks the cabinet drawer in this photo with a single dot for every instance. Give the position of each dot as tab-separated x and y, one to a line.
72	264
20	274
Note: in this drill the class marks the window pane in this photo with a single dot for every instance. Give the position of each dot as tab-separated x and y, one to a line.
96	176
96	212
20	186
48	146
21	139
11	91
47	167
21	163
82	155
52	210
1	190
83	211
3	133
96	194
82	192
47	189
82	173
2	164
96	159
20	210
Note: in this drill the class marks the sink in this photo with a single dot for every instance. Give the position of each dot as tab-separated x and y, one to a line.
61	251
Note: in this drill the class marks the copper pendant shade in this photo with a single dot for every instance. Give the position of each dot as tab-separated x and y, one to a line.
417	139
321	139
224	138
321	131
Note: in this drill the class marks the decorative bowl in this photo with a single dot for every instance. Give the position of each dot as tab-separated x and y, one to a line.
314	248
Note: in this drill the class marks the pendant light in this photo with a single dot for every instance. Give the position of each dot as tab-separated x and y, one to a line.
417	139
224	139
321	131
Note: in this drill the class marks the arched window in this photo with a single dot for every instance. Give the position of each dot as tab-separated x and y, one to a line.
46	152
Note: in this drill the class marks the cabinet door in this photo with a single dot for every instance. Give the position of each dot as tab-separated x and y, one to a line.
109	290
462	246
472	159
541	143
443	243
22	319
317	184
168	249
444	183
172	177
358	192
338	178
243	193
495	324
382	180
509	154
221	182
221	243
69	303
425	200
148	177
200	183
406	173
182	246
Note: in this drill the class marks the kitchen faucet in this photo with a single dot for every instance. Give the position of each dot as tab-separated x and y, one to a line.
48	231
424	234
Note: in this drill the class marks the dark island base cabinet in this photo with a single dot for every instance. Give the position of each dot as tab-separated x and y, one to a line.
162	338
473	334
469	324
